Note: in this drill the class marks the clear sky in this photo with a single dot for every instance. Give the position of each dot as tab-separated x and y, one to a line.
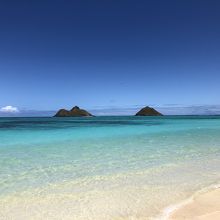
104	54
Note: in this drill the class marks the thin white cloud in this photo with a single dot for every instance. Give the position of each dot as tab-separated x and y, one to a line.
9	109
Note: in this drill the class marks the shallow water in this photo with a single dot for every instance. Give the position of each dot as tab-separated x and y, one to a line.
104	167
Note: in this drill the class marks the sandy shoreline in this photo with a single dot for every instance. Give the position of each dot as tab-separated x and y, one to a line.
205	206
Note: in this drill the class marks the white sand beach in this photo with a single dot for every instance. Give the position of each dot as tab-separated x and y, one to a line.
203	207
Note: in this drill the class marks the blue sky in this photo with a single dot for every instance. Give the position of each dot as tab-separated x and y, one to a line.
106	55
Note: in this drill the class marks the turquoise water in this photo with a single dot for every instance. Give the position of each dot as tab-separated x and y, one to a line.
104	167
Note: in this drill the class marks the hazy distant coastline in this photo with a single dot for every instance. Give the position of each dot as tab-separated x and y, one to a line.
114	111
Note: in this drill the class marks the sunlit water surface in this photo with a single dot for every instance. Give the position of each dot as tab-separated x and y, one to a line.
104	168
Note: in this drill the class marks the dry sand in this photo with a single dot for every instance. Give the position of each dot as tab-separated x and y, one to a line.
205	206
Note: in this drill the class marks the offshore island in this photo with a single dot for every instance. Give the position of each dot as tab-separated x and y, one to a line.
74	112
78	112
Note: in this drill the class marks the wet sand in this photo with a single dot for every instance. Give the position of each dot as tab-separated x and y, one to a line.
203	207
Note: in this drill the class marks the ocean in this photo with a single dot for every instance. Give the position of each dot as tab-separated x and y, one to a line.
105	168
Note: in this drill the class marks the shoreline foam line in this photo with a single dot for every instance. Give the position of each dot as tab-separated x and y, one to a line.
170	210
